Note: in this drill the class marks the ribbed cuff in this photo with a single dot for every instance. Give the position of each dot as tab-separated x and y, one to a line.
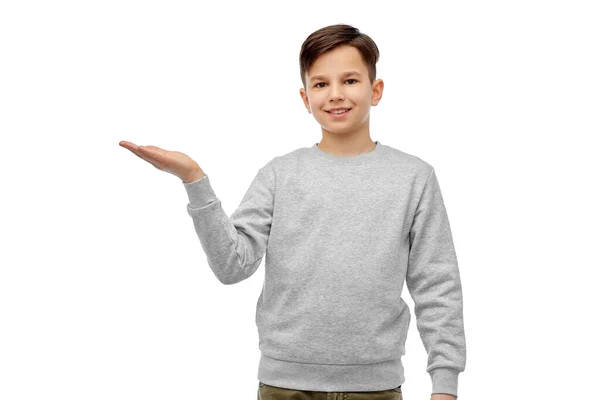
200	192
444	380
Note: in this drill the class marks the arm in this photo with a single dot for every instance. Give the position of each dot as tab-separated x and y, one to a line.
234	245
433	282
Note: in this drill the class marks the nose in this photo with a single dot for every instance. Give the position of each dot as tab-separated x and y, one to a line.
336	93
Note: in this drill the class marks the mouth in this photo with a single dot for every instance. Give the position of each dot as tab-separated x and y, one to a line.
338	114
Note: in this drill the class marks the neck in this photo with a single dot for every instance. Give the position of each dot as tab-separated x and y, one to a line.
346	145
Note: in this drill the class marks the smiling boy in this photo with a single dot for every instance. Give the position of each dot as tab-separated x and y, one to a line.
340	80
343	224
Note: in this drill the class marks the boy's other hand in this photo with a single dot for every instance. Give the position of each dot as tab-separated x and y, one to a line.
173	162
443	397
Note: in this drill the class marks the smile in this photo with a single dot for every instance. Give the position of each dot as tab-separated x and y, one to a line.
338	114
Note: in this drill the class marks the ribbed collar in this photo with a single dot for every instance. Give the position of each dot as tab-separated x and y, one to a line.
352	160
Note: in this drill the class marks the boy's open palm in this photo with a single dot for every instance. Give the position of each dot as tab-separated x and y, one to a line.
173	162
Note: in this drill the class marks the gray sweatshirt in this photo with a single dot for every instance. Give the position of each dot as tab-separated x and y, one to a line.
340	235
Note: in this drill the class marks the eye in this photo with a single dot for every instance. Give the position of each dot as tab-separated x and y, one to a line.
317	85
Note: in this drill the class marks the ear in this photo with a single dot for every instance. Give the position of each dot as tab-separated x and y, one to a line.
377	92
305	99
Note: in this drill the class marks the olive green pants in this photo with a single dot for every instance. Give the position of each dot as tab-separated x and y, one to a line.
267	392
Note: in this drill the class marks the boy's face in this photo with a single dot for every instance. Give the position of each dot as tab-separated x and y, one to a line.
328	86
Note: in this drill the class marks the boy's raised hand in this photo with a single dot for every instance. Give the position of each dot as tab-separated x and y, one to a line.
173	162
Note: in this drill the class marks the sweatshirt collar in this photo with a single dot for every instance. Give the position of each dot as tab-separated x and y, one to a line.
352	160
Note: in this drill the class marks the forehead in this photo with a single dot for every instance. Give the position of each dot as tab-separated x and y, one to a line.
338	62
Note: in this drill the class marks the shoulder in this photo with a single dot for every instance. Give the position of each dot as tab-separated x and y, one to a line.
282	165
408	162
287	160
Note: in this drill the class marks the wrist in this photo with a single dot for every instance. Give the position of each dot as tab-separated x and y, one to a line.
193	176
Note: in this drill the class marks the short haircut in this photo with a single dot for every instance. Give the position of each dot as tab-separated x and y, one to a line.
330	37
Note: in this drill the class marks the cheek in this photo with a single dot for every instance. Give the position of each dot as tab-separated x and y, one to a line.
362	97
316	104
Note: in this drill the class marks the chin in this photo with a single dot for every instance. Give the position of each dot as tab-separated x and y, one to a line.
340	131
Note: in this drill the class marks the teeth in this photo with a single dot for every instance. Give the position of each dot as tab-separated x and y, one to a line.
339	111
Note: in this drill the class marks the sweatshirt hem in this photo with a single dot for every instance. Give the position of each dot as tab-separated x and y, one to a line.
379	376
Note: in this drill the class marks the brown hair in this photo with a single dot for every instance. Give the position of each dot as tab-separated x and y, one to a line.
330	37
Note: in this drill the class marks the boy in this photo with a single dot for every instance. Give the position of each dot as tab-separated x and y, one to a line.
342	223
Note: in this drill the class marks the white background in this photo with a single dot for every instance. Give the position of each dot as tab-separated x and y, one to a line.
105	292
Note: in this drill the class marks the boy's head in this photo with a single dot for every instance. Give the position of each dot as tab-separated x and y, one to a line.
327	57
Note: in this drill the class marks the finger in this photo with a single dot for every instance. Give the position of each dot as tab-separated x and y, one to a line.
149	160
142	152
151	153
154	148
132	147
156	152
127	145
146	157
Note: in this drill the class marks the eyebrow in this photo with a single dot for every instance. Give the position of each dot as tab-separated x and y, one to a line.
344	75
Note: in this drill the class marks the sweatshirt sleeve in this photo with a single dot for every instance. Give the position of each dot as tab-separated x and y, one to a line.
234	246
433	282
